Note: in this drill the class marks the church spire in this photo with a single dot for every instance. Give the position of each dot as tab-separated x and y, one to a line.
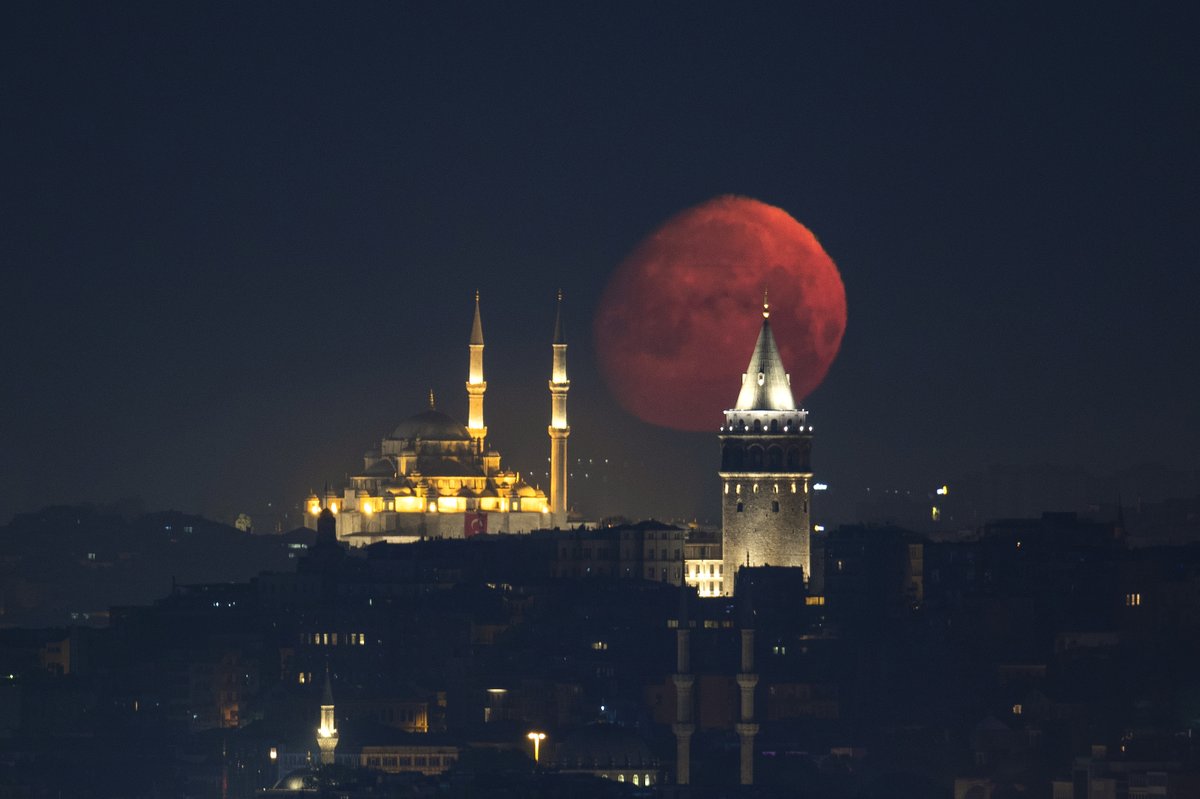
476	385
559	429
765	384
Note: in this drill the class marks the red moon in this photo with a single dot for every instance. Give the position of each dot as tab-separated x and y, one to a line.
680	315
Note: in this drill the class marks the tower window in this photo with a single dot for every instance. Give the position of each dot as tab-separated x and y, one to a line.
775	506
741	507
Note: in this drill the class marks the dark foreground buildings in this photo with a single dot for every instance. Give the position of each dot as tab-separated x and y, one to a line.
1037	657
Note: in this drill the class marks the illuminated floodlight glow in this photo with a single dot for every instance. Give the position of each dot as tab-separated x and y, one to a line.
537	738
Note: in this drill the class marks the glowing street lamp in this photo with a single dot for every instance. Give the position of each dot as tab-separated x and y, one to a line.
537	738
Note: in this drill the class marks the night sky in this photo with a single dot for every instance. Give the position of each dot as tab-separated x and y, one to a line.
240	241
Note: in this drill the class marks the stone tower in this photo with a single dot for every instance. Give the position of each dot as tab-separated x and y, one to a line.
766	477
559	429
476	385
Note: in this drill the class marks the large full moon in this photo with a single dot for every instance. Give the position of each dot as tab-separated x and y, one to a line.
680	315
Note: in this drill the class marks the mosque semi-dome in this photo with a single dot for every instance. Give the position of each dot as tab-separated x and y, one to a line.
432	426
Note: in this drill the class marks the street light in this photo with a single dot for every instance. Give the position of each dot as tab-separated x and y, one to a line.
537	738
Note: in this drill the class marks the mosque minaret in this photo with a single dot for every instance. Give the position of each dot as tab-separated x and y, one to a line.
476	385
559	429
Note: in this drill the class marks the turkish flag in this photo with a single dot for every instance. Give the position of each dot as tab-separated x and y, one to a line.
474	524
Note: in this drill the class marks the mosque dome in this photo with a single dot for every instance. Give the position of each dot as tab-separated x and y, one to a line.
432	426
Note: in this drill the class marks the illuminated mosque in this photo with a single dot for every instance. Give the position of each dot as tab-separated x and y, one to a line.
433	477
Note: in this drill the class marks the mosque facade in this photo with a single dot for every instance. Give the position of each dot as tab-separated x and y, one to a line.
434	477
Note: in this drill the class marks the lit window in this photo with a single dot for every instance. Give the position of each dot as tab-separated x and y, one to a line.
1017	710
935	513
1133	600
737	489
636	779
756	488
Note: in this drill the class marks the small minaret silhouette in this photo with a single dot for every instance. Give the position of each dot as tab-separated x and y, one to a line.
747	679
327	734
684	725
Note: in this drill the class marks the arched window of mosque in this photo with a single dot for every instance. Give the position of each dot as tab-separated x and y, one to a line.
775	458
774	425
757	426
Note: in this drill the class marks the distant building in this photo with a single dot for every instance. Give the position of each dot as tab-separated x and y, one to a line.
765	468
434	477
703	567
649	550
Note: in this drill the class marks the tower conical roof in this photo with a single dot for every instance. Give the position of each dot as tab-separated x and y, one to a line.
477	325
765	386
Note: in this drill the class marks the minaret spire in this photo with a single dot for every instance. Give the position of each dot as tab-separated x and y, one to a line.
476	385
559	429
327	734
